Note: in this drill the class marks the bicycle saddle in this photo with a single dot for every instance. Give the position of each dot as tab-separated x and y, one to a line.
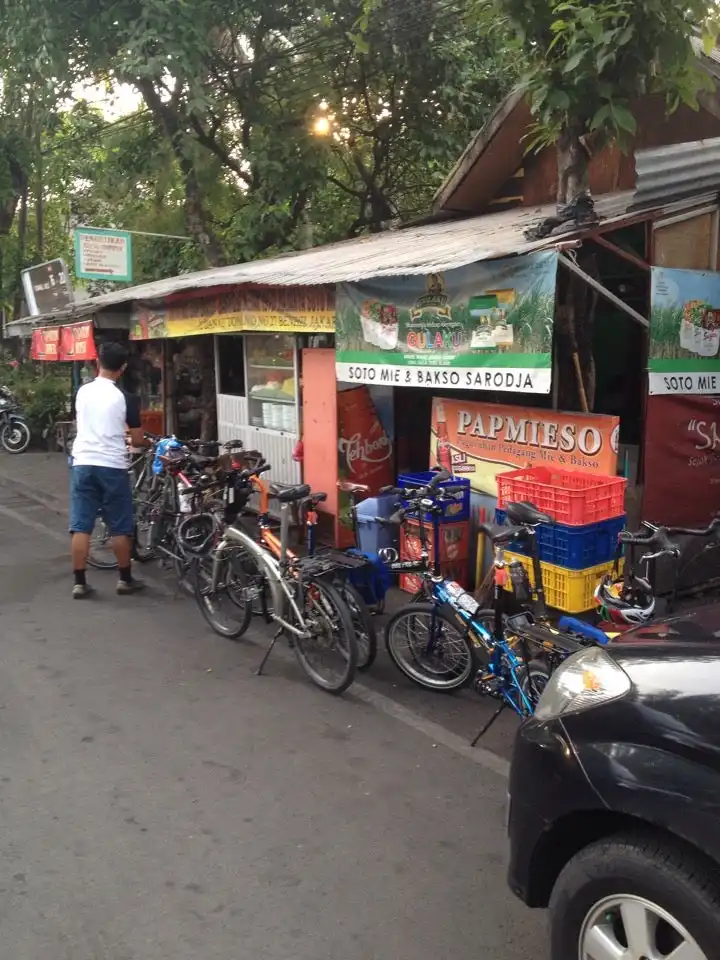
526	514
290	494
499	534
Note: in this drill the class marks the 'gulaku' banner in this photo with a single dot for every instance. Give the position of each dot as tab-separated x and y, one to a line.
684	354
487	326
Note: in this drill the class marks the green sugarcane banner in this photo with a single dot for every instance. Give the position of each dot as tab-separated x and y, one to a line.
684	355
488	326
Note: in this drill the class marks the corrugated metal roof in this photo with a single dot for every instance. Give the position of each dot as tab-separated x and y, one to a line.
426	249
681	170
711	60
433	248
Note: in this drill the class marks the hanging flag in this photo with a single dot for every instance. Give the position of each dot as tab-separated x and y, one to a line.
77	342
45	344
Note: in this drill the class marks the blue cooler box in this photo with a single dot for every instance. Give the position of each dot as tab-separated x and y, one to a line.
371	535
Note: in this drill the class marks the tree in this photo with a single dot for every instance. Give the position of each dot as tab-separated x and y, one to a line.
234	87
589	62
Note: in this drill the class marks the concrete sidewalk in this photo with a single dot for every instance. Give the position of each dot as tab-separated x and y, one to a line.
42	477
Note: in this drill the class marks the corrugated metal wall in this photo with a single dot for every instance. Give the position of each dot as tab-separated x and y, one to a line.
276	447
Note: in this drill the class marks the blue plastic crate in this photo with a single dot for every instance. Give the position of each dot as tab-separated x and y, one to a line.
371	535
574	548
452	512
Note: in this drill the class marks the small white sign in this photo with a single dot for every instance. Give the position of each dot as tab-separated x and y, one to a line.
103	254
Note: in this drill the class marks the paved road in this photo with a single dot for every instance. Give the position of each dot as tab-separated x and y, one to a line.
160	801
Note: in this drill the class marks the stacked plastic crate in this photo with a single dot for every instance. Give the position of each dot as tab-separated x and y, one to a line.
453	531
580	547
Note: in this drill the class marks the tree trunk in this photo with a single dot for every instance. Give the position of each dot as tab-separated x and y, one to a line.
173	126
22	234
208	400
573	167
574	331
196	217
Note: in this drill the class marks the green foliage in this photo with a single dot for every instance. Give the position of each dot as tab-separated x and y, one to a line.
43	390
223	148
588	63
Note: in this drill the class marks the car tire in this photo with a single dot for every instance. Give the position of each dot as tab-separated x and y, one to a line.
649	866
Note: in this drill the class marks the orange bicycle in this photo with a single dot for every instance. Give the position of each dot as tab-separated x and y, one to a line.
298	594
341	563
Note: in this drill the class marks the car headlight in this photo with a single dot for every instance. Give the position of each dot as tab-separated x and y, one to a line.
587	679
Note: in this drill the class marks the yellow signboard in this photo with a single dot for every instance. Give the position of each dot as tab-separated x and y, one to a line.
281	310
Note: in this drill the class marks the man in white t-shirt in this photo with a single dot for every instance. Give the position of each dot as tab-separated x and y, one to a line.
100	479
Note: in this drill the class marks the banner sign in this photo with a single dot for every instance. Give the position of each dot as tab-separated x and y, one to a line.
45	343
77	342
103	254
481	440
365	451
684	355
236	310
682	461
487	326
47	288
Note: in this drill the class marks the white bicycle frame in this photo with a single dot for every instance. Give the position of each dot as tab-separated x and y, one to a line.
272	569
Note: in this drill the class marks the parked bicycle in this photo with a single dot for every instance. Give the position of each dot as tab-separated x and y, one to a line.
101	555
628	599
442	639
298	594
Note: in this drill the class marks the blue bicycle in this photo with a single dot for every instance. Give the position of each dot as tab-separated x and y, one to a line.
443	640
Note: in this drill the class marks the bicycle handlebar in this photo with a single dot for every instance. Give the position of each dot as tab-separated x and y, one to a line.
657	540
709	531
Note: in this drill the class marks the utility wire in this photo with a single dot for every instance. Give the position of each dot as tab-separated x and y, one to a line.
317	44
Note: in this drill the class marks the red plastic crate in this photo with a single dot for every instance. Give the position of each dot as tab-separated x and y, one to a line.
568	496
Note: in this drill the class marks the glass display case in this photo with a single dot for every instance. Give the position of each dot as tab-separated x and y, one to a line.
271	381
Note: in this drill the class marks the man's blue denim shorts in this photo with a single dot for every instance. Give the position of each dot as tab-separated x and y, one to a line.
105	491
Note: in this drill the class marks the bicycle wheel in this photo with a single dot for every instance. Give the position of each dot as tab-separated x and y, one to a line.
329	653
220	605
532	680
365	634
101	555
429	649
150	527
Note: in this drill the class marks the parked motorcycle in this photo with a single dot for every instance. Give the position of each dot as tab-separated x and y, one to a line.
14	431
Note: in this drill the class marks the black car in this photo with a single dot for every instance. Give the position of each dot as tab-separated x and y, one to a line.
614	807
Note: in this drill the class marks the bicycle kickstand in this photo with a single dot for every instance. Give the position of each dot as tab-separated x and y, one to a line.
487	726
258	672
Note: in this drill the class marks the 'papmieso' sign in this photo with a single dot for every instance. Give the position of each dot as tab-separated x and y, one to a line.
103	254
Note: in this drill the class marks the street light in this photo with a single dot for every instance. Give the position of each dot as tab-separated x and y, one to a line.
321	127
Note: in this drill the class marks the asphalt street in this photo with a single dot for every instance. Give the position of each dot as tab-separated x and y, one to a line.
160	801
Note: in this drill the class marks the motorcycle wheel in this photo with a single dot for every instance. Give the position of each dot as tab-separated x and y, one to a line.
15	436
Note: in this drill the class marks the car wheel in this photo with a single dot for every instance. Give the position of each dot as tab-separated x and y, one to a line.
635	897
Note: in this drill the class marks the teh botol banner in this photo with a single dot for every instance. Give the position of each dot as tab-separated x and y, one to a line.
481	440
487	326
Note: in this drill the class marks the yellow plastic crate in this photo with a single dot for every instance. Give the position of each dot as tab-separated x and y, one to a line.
571	591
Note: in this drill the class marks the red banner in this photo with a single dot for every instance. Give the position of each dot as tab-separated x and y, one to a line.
77	342
364	448
45	344
682	460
